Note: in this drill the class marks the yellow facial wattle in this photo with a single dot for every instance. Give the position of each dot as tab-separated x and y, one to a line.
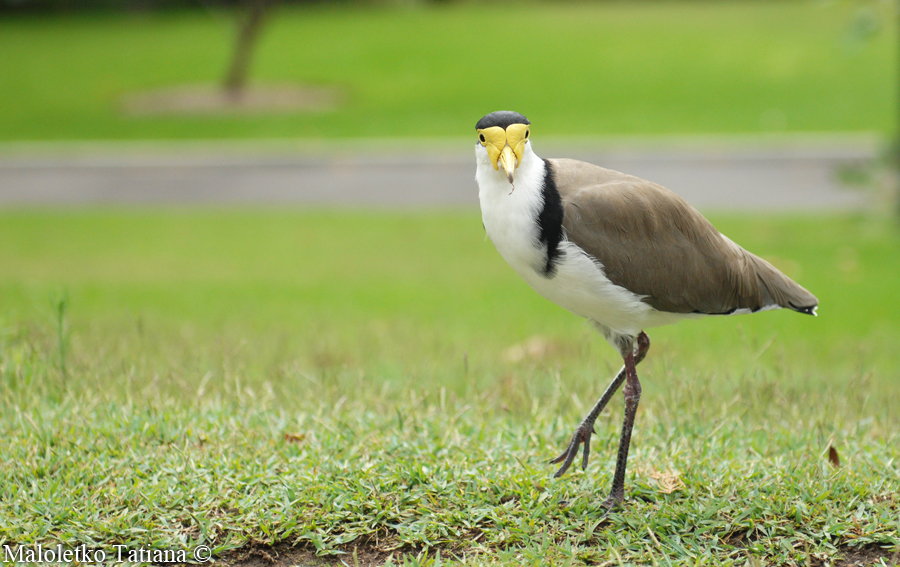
505	147
516	136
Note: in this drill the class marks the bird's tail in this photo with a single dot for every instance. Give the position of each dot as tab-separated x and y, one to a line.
782	290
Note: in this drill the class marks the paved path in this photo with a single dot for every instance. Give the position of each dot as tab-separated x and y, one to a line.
712	177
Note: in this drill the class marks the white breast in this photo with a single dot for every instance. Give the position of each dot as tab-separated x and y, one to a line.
579	284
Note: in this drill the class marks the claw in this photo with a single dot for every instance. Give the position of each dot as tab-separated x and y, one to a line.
582	435
605	516
587	453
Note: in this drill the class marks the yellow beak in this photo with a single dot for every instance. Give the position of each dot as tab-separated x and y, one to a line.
508	161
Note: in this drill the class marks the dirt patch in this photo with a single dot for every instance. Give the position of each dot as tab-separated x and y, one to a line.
214	99
862	557
284	555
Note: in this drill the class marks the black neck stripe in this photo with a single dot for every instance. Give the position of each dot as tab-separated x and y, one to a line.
550	222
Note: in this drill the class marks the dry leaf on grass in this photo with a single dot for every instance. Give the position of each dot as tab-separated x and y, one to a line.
833	456
667	482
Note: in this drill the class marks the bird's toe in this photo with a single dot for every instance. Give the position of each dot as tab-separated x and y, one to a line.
582	435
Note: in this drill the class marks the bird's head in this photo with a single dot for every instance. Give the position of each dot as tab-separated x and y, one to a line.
504	135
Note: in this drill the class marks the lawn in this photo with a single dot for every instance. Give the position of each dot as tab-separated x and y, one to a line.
431	70
382	381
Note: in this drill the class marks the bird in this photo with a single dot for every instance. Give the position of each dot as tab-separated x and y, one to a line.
622	252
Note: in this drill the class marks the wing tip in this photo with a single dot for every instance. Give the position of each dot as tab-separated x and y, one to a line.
806	310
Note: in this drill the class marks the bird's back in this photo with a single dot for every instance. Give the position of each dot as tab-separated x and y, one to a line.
653	243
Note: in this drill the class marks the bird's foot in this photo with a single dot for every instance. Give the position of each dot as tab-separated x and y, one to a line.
612	502
582	435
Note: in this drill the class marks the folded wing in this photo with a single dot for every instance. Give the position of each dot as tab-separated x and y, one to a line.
653	243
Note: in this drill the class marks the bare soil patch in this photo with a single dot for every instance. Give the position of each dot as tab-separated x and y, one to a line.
862	557
215	99
368	555
284	555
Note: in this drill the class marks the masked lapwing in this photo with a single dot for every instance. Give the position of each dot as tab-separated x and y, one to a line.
625	253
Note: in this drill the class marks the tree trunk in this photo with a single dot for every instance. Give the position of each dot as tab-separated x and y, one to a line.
248	33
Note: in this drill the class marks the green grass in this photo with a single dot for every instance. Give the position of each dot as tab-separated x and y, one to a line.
432	71
335	379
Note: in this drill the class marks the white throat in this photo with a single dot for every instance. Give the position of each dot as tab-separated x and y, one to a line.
509	213
529	172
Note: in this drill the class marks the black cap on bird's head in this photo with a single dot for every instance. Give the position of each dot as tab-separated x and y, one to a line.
501	118
504	134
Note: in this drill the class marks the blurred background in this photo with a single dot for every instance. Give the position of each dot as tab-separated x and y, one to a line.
298	176
759	105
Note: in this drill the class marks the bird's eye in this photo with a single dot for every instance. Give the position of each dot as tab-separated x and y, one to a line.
526	133
481	137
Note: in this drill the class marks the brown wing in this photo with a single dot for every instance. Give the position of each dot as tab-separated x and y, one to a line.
653	243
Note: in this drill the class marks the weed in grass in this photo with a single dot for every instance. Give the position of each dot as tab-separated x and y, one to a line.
62	334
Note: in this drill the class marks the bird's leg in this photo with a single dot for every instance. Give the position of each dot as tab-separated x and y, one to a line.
586	428
632	393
